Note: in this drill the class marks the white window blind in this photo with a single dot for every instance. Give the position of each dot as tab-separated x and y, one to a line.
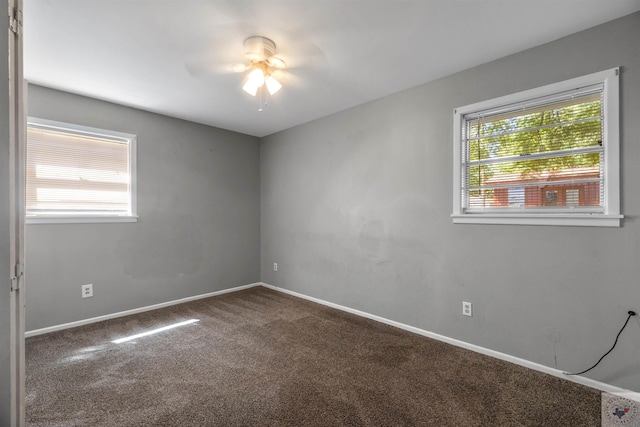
75	171
548	155
548	147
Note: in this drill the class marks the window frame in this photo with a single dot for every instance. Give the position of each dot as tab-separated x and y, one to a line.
610	217
131	141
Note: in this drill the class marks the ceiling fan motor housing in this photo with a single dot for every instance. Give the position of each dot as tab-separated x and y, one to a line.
258	48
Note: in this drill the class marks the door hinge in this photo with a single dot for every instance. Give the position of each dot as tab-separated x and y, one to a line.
16	279
15	21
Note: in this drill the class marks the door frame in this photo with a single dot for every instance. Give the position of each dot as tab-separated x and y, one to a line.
17	138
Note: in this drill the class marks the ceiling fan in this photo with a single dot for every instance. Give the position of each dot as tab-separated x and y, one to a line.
260	51
265	70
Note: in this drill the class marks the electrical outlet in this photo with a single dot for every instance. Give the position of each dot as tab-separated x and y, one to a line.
275	266
87	290
467	309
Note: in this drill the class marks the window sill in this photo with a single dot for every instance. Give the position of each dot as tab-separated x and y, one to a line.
579	220
79	219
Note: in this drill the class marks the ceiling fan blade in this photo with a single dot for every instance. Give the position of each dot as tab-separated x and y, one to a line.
289	79
221	53
300	52
240	67
199	67
276	62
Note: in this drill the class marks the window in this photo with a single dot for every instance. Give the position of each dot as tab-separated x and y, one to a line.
544	156
79	174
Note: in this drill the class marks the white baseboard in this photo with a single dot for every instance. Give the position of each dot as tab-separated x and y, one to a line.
488	352
134	311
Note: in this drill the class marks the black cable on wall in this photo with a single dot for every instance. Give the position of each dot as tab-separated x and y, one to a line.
631	313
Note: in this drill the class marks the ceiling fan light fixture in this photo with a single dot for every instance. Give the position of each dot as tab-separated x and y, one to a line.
260	52
272	85
250	89
255	80
256	77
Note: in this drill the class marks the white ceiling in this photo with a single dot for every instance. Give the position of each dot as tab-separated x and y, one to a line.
174	56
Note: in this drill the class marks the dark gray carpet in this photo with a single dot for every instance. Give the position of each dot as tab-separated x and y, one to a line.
259	357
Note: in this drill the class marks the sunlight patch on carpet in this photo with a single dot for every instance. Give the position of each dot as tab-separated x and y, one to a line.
154	331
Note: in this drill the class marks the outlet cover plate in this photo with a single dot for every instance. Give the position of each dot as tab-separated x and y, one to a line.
467	308
87	290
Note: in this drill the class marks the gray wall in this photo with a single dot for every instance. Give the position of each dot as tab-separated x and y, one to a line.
5	294
355	209
198	231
